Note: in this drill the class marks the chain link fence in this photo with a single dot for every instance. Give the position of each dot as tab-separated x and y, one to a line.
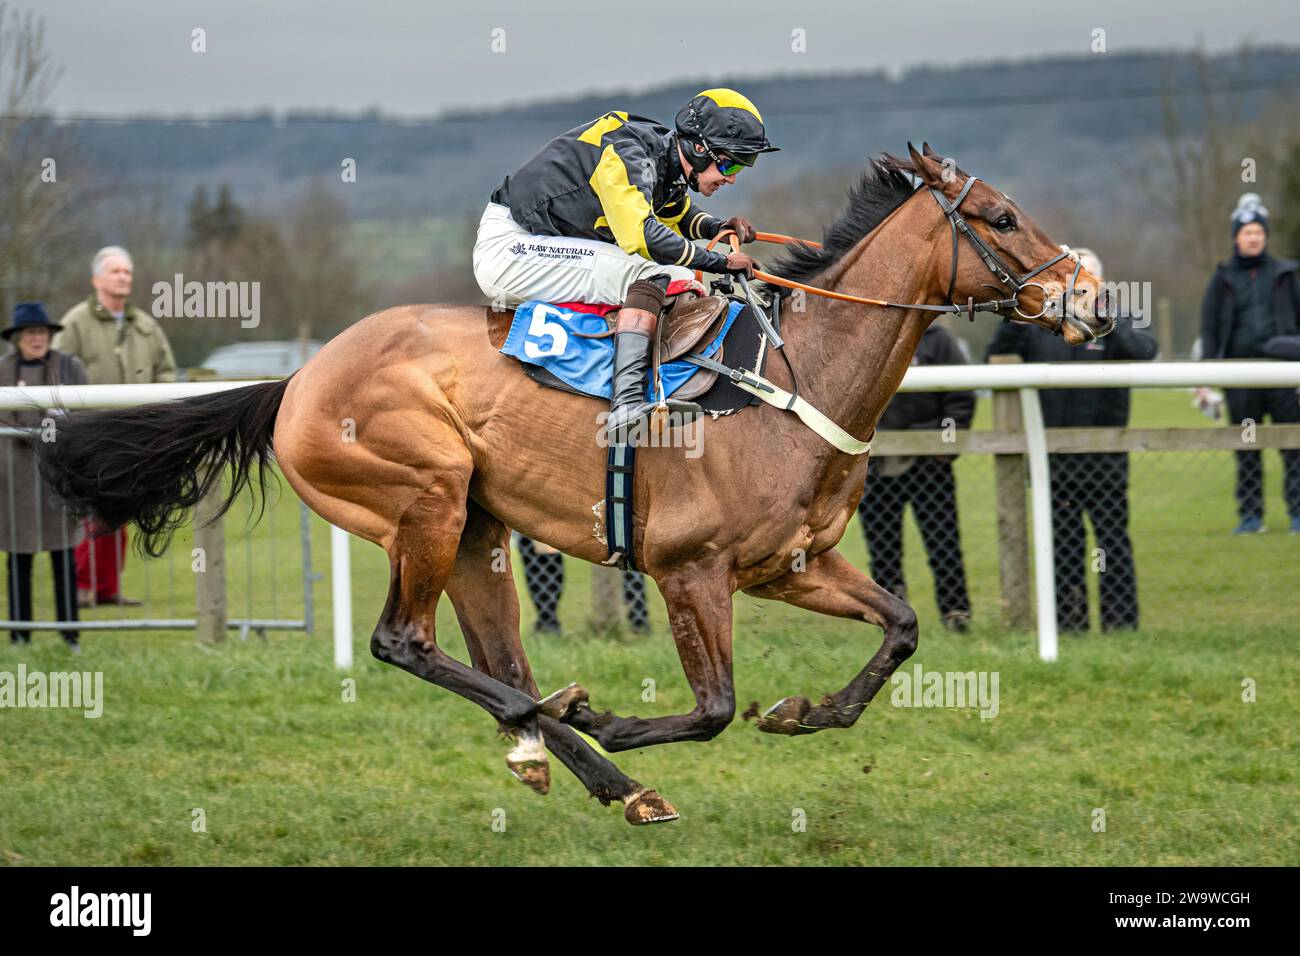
1149	539
1141	539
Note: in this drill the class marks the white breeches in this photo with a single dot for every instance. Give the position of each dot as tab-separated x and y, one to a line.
512	266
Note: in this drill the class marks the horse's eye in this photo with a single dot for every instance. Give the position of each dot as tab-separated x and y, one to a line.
1005	224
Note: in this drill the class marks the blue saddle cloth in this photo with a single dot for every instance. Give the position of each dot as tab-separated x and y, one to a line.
541	335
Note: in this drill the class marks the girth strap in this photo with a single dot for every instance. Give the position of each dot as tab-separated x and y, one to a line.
619	481
774	395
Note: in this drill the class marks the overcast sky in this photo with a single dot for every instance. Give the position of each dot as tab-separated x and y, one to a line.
418	58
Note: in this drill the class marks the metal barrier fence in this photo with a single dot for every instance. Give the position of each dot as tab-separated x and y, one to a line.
1024	496
260	580
1063	529
1066	466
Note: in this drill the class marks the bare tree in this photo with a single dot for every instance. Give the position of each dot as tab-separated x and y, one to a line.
26	72
42	178
1198	173
327	293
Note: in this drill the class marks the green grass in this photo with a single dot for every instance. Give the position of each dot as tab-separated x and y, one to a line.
1149	727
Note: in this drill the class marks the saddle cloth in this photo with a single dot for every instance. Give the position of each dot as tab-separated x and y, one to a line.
542	334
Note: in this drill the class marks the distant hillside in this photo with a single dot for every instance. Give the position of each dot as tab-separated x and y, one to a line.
1035	128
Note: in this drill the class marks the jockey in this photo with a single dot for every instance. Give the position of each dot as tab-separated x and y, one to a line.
601	215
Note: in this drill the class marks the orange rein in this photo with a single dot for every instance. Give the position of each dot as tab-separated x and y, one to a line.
777	280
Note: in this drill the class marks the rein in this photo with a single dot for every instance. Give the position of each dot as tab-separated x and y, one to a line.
792	401
1003	272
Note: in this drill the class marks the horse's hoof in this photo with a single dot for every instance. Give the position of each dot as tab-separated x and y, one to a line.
533	774
646	806
563	702
786	717
527	761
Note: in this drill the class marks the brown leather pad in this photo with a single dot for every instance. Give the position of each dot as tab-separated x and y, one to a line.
699	383
690	322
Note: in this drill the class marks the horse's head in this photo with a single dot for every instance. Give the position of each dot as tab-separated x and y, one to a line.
1001	254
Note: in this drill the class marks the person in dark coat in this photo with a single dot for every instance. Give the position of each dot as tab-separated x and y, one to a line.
1251	309
32	517
927	482
1091	483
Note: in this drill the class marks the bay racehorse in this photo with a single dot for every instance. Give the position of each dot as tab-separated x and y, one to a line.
411	430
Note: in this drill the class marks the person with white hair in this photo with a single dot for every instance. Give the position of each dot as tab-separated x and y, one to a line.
119	343
1251	309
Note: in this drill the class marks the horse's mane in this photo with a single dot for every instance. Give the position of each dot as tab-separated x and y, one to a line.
884	186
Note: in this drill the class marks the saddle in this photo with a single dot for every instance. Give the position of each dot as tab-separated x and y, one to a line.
688	320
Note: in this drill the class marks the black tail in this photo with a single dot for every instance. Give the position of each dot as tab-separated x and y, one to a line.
153	463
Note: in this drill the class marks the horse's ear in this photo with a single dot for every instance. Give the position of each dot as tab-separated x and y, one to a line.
925	168
926	150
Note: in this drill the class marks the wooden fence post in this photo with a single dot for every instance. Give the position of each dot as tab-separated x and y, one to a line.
1165	328
210	582
1013	526
606	599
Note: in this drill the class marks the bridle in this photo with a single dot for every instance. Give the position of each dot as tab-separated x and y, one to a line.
1003	272
1008	276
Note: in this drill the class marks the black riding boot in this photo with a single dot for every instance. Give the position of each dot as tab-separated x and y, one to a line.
628	405
633	338
631	360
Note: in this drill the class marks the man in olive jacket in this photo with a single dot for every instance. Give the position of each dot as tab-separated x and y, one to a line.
119	344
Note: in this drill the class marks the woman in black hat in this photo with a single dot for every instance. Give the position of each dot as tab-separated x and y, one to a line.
32	517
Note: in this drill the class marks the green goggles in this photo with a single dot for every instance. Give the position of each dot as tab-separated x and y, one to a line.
728	166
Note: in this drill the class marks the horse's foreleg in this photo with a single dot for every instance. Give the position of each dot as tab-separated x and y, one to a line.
422	557
831	585
699	610
482	589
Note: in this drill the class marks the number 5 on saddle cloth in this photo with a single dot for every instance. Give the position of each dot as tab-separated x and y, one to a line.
573	350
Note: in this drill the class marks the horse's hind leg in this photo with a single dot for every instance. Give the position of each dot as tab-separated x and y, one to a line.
422	556
482	589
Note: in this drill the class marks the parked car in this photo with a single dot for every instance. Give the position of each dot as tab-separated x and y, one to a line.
259	359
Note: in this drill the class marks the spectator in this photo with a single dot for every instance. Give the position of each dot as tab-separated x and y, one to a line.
119	344
544	576
927	482
1096	483
32	517
1251	301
